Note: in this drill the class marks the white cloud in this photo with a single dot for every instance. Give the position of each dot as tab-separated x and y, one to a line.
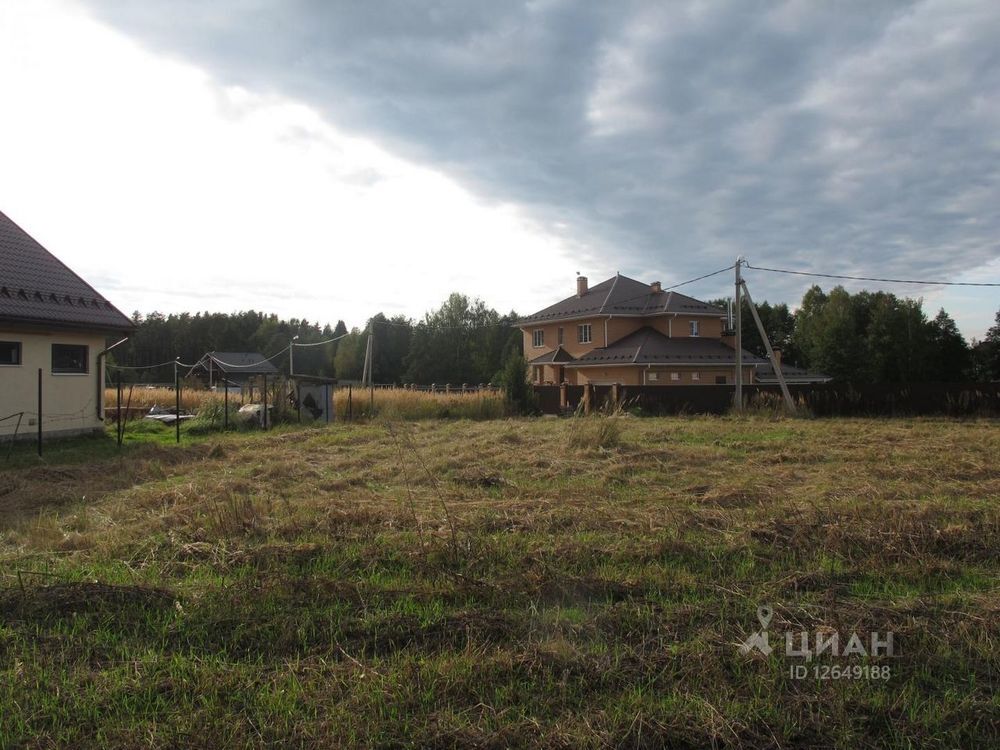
170	191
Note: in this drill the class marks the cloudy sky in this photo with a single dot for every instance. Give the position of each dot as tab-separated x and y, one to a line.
332	159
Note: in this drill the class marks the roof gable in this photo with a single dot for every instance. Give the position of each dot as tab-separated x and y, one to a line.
37	287
621	295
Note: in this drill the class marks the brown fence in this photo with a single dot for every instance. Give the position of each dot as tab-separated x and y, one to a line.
821	399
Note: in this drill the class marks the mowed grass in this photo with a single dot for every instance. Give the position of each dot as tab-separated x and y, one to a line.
567	583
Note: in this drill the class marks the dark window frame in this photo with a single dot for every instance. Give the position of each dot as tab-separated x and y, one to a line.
18	354
71	369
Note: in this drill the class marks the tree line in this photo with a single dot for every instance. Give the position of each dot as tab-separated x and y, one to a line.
873	337
866	337
463	341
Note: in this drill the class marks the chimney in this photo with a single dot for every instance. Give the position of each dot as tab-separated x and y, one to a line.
656	287
581	286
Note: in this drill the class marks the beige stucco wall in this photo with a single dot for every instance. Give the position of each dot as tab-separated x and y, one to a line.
616	328
679	327
68	400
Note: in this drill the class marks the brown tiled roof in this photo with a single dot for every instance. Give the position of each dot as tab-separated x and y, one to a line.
621	295
649	346
36	287
555	357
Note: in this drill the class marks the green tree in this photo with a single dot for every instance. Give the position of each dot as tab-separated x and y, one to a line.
986	353
463	341
513	378
348	364
950	358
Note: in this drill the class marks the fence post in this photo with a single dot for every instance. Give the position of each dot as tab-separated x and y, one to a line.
587	395
177	402
615	395
264	414
350	406
563	396
39	411
225	413
118	421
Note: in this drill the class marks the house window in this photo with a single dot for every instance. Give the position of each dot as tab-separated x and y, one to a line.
583	333
69	358
675	376
651	377
695	376
559	337
720	379
538	338
694	327
10	352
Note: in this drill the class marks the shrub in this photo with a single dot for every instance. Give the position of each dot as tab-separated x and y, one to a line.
517	390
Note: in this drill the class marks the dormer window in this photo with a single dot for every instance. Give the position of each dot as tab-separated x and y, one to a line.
694	328
538	338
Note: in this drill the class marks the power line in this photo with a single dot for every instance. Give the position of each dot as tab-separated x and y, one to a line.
320	343
872	278
113	366
698	278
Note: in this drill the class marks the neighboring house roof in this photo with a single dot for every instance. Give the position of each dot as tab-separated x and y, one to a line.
621	295
236	363
556	357
649	346
36	287
765	374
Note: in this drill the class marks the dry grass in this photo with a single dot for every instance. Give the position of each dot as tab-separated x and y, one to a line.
398	403
503	584
192	399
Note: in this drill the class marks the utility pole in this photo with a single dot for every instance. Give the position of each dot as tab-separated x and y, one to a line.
368	353
738	398
291	359
789	402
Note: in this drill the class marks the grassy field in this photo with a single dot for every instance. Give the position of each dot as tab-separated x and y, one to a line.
573	583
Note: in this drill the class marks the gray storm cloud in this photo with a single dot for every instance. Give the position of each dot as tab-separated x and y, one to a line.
669	136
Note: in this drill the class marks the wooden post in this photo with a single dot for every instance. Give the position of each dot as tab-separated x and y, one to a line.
177	403
225	414
587	395
264	413
39	411
563	397
350	406
118	405
738	395
615	395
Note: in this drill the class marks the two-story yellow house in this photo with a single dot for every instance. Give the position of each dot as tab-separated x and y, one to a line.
626	331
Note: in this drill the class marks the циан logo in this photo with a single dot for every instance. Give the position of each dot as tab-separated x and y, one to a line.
825	642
